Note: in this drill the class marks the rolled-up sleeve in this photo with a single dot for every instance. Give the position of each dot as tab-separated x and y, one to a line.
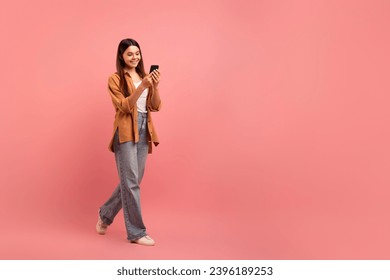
154	108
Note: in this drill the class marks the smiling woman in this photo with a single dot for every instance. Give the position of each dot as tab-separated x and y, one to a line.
134	95
274	130
131	58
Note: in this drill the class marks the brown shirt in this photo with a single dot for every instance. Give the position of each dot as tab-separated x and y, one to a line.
126	114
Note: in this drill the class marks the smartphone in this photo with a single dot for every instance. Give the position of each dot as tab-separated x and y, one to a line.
152	68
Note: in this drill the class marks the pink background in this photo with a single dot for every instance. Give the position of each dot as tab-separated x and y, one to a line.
274	129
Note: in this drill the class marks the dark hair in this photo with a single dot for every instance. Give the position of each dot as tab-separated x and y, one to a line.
120	64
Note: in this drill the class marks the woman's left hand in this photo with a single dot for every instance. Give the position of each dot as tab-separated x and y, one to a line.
156	77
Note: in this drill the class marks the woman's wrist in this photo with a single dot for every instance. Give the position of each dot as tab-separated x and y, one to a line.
142	87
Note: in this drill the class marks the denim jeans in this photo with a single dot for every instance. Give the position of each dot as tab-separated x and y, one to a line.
130	161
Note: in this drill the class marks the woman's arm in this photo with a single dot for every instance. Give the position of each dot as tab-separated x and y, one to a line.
124	104
155	100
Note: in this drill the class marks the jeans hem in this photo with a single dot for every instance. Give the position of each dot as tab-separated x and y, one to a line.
137	237
105	220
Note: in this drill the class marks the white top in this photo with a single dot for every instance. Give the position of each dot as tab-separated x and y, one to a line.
141	102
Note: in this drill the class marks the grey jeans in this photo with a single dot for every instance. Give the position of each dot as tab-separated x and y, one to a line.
130	161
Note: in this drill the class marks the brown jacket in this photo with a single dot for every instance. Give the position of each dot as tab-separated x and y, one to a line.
126	114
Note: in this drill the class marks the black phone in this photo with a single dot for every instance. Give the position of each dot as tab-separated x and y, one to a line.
152	68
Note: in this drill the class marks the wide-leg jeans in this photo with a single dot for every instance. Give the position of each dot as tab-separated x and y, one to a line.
130	161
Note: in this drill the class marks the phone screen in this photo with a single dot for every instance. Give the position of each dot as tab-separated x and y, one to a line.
152	68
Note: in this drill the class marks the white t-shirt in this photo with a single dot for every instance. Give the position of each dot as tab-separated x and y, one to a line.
141	102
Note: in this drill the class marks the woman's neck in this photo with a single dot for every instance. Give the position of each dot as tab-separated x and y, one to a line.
131	71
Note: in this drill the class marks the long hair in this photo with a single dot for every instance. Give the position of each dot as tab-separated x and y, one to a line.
120	64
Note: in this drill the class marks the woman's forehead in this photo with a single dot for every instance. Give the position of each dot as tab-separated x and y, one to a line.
132	49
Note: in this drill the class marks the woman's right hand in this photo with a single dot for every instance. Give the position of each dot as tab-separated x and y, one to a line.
147	81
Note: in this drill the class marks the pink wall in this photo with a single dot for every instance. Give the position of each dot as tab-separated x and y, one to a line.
274	128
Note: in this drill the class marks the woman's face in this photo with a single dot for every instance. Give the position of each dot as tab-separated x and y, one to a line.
131	57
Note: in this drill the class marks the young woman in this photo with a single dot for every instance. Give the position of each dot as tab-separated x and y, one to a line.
134	95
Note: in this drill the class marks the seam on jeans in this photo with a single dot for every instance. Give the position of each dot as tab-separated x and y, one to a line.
124	201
